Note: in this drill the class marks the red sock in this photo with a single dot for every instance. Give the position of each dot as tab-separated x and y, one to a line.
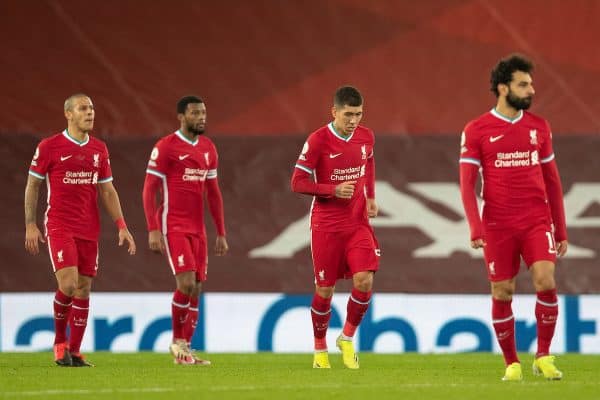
504	325
546	311
192	319
179	312
62	309
79	316
358	303
320	311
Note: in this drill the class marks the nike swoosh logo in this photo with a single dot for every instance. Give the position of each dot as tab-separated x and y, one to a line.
65	158
183	157
334	155
495	138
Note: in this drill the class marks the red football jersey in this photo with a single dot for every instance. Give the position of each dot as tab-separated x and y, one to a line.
509	154
334	159
183	166
72	170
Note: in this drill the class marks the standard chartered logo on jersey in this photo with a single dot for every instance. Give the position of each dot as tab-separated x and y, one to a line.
517	159
194	174
80	178
399	209
347	174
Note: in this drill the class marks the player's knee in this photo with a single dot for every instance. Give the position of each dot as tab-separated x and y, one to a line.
68	287
542	283
186	287
364	283
325	291
503	292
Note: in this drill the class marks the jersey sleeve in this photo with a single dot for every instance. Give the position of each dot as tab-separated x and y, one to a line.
213	162
105	173
470	152
309	157
41	161
159	160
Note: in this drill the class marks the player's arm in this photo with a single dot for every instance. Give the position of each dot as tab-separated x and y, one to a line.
557	208
469	170
110	200
149	199
32	233
215	206
372	208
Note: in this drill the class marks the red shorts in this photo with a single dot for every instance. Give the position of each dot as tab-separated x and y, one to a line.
68	251
504	249
187	252
338	255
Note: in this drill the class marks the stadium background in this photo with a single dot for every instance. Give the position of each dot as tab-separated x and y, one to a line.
267	71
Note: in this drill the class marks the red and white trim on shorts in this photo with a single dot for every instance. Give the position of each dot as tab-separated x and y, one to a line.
50	252
169	254
180	305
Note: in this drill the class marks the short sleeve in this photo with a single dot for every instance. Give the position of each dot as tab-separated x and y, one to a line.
470	152
41	161
310	154
159	160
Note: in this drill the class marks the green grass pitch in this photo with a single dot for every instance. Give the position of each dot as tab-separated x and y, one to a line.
290	376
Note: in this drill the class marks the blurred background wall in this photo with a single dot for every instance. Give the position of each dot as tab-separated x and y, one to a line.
267	71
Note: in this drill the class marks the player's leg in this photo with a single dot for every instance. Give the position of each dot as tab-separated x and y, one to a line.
362	260
503	260
539	251
63	256
87	253
320	313
200	252
78	322
180	256
327	253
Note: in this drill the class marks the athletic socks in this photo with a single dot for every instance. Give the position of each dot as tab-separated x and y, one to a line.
78	323
179	312
504	325
546	312
62	309
320	311
358	303
192	319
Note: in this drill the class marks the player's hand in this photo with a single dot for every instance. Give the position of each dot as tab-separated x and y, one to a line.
345	190
561	248
372	208
156	242
221	246
32	238
126	236
478	243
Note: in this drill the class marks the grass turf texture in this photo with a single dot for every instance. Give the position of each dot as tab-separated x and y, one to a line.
290	376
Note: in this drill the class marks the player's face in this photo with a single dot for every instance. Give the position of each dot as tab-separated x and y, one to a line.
195	118
81	115
520	91
347	118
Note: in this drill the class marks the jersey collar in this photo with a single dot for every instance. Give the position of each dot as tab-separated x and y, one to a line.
182	137
77	142
337	135
513	121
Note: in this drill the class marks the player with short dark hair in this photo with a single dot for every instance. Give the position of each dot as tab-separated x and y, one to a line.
337	167
522	214
76	167
182	168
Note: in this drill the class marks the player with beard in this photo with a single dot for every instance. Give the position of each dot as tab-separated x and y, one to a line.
522	214
182	167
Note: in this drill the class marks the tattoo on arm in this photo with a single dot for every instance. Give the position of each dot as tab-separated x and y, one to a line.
31	199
